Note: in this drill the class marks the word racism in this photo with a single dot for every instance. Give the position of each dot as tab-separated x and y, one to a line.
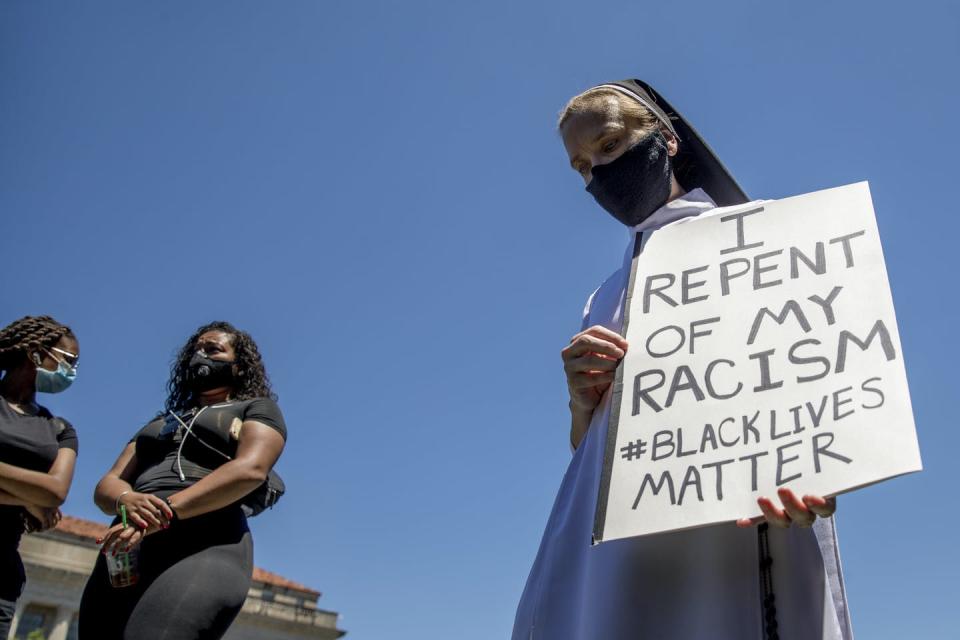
764	352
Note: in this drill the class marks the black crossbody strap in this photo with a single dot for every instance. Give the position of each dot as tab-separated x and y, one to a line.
768	601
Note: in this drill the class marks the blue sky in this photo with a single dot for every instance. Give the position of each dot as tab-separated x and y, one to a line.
376	192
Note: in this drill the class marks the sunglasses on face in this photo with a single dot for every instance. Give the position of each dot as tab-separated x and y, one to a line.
70	359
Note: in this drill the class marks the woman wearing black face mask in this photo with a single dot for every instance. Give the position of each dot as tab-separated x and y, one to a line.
649	170
179	482
37	451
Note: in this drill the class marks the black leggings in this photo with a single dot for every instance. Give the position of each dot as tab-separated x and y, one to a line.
194	578
12	579
7	609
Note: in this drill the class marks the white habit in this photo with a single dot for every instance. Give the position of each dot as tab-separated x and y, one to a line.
690	585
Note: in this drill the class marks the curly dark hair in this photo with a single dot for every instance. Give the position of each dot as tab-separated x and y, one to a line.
27	334
251	379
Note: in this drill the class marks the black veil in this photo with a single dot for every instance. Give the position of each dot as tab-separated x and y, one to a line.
696	165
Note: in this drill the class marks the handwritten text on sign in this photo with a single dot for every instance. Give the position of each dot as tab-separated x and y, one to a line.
764	353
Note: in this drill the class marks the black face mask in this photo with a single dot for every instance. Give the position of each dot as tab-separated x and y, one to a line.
637	183
206	374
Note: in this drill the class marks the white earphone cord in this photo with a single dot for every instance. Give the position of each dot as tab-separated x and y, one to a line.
189	431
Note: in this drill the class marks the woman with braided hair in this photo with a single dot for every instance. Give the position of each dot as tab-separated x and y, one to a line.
37	450
183	481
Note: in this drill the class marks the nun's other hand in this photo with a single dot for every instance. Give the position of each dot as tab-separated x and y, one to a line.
796	511
589	362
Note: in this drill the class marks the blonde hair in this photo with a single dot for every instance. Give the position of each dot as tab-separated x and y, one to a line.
596	99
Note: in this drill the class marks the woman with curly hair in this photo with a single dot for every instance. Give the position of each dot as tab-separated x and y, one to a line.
37	450
180	482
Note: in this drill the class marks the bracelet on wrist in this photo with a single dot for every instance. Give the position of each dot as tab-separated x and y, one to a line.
116	503
173	510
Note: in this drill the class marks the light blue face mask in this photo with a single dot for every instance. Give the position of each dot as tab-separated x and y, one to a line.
55	381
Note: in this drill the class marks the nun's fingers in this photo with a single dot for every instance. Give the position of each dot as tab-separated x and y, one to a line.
774	515
599	331
802	512
746	523
795	508
589	362
584	343
823	507
581	381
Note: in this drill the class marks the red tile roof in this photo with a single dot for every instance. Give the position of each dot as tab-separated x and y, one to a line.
82	528
267	577
93	530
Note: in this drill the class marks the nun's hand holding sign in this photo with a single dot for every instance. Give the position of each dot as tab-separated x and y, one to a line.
798	511
589	362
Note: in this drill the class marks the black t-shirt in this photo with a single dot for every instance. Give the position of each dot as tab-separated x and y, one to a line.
29	442
213	437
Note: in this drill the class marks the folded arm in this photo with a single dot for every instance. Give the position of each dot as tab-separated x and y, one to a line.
42	489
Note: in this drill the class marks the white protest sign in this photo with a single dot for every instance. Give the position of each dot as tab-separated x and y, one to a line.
764	353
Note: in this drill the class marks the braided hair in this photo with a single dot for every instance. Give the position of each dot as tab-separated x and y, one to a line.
27	334
251	379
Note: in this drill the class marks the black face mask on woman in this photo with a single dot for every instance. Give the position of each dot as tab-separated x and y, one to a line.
637	183
206	374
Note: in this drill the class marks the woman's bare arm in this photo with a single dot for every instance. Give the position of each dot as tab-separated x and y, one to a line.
258	449
43	489
115	489
7	498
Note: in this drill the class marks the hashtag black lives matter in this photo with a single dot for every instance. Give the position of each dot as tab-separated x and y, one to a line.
775	443
806	430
